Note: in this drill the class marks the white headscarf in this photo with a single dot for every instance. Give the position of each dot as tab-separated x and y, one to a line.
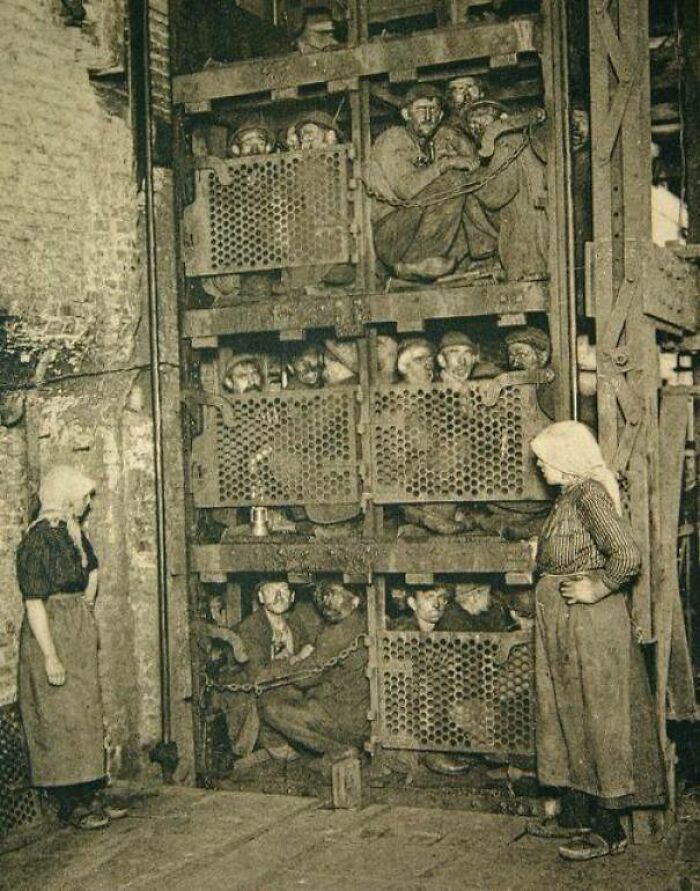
61	492
571	447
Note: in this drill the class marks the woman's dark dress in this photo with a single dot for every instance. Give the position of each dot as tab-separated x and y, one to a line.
63	725
596	730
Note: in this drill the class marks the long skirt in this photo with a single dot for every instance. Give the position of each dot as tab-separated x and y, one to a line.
596	729
63	725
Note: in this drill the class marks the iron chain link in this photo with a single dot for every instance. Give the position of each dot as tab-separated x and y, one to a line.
259	687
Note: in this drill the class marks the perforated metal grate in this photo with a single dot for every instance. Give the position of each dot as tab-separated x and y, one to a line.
457	692
296	447
19	804
437	443
278	211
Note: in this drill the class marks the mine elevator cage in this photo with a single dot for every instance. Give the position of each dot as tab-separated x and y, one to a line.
360	445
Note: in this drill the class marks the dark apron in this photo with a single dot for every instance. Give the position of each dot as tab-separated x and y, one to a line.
63	725
596	730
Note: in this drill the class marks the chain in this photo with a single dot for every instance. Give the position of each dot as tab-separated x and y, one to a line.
259	687
466	189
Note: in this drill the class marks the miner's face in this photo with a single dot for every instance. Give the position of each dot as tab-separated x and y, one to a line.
479	120
307	367
423	116
253	142
337	603
429	605
459	361
473	599
313	136
419	368
243	377
525	357
276	597
462	93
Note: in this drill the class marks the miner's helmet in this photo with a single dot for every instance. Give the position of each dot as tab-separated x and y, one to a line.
421	91
457	339
498	109
535	337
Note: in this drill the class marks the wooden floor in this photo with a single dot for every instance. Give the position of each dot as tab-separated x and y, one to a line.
182	839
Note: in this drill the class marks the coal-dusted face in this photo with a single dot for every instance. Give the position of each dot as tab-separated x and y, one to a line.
308	367
459	361
418	367
423	116
337	603
526	357
473	599
462	93
428	604
314	136
276	597
243	377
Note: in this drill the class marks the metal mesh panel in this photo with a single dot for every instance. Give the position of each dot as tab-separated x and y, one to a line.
289	448
278	211
457	692
19	804
436	443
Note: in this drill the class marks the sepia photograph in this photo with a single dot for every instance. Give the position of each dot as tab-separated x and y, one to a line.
349	445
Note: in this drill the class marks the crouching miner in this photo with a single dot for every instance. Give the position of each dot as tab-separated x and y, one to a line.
329	714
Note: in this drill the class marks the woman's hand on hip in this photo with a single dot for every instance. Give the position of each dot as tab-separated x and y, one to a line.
55	671
583	589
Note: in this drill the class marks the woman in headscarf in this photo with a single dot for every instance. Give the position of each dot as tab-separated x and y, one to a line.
596	733
59	689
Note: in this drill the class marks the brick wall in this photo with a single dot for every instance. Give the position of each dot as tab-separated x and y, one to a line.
73	284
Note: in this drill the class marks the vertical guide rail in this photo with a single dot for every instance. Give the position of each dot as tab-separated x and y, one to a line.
165	752
562	310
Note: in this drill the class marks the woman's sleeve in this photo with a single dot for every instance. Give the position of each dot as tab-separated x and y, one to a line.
92	562
612	536
33	567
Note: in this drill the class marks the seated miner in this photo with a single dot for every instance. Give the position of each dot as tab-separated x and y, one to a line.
305	370
416	366
316	34
387	358
243	374
427	606
416	361
252	137
512	194
477	607
420	228
340	367
276	638
529	349
329	714
459	360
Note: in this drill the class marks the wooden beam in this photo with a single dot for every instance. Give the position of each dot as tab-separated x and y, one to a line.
377	56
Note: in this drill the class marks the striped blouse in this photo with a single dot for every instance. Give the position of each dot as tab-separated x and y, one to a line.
584	532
